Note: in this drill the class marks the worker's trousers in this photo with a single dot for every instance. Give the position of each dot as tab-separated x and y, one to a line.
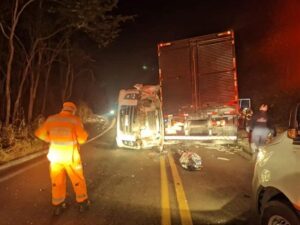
58	173
259	137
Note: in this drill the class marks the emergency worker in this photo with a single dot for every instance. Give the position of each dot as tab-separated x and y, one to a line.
64	131
259	128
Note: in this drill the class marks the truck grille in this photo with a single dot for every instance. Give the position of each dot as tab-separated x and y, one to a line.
127	119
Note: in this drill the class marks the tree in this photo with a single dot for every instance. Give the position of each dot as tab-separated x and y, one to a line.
91	17
51	57
45	40
15	16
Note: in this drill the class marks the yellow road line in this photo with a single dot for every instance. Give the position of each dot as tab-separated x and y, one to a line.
185	214
165	202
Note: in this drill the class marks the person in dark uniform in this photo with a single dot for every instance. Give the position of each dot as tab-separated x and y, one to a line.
259	128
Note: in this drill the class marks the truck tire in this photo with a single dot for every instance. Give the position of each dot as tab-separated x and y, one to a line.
279	212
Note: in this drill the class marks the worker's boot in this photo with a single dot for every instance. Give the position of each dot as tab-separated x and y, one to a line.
84	206
58	209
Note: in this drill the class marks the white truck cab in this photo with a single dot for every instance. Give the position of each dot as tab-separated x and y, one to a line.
139	118
276	180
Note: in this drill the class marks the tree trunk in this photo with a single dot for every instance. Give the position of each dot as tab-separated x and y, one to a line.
23	79
34	85
68	77
54	54
11	49
45	90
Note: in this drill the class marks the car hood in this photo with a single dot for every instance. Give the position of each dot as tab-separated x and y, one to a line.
279	138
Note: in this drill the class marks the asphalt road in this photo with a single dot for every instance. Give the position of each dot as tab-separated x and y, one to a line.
136	187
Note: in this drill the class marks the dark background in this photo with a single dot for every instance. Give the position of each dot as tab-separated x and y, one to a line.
267	34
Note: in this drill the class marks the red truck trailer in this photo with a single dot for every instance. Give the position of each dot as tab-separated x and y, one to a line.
199	91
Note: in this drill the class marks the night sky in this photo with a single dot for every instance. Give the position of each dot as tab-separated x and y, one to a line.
132	57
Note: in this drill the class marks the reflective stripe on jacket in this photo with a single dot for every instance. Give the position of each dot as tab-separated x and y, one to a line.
64	131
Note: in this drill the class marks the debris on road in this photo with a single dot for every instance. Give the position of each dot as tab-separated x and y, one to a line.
227	148
190	160
222	158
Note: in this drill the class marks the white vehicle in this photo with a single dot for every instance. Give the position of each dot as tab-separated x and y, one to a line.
276	180
139	118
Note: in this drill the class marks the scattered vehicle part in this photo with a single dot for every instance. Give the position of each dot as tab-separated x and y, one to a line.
190	160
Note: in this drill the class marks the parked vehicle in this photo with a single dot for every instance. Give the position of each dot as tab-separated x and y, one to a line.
139	118
276	180
198	82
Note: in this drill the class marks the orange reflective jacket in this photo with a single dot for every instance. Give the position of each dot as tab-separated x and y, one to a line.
64	132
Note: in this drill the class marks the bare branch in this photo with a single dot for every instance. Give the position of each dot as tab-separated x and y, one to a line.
3	31
22	9
53	34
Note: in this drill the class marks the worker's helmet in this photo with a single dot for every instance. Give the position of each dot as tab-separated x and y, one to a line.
263	107
69	106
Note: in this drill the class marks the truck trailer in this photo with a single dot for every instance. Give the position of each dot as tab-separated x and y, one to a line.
199	89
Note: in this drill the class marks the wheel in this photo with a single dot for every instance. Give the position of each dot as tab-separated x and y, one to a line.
277	212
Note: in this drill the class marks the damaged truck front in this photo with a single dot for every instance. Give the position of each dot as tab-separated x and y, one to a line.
139	118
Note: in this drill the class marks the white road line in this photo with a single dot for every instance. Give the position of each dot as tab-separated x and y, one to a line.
20	171
102	133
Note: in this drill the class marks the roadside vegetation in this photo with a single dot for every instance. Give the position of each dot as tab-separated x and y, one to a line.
23	142
43	63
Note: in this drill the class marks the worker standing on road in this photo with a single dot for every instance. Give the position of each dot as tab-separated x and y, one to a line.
64	131
259	128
